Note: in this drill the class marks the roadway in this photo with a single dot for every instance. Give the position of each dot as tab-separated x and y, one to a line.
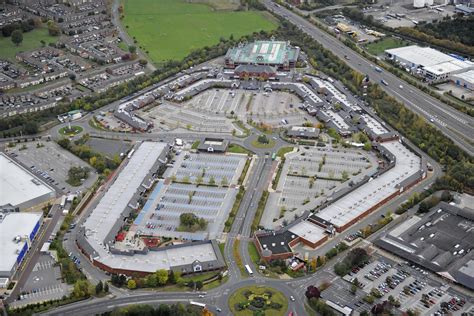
454	124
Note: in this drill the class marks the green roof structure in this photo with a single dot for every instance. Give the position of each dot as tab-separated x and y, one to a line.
275	53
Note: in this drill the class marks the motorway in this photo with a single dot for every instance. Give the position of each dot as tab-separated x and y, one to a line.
454	124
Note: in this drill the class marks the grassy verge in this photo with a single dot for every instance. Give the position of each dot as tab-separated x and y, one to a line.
243	128
238	258
221	248
195	145
253	253
235	209
237	149
244	172
284	150
260	209
278	174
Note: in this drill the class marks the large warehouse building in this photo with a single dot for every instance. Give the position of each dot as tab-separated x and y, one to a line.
278	54
17	231
20	189
428	62
441	241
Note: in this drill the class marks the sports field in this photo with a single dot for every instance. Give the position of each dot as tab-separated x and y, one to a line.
171	29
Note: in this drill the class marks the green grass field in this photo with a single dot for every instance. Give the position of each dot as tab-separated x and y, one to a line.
31	40
378	48
171	29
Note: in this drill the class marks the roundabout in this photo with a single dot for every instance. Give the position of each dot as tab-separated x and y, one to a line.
258	300
69	131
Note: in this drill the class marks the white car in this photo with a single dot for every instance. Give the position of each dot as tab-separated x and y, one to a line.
292	298
401	87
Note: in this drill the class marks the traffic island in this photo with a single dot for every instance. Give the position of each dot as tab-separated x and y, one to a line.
258	300
262	141
70	130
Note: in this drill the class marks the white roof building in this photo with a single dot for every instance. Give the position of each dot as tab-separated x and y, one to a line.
434	64
350	207
115	200
19	187
16	230
465	79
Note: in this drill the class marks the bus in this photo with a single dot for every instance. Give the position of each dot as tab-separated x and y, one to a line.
130	154
197	304
247	267
273	156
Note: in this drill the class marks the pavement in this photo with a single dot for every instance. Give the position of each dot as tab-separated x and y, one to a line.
454	124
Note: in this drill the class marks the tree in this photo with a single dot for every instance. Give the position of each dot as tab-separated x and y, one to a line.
131	284
99	287
173	277
17	37
312	292
53	28
199	285
81	289
151	280
162	276
263	139
106	287
212	180
132	49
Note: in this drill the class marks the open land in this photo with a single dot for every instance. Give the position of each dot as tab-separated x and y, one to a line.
171	29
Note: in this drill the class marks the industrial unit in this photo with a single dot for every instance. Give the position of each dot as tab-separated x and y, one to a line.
441	241
17	232
20	189
428	62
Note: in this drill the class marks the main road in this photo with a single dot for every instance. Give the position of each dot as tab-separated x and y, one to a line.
454	124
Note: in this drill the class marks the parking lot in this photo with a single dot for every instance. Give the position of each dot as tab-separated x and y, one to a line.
410	285
310	175
160	216
44	283
168	116
221	168
108	147
269	108
51	163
